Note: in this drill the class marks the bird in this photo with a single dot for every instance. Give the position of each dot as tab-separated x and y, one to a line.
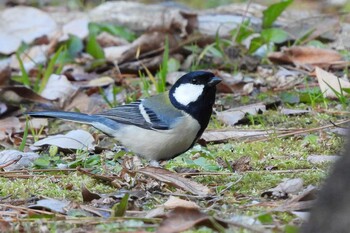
159	127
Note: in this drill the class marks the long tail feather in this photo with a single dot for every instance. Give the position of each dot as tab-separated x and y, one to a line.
106	125
71	116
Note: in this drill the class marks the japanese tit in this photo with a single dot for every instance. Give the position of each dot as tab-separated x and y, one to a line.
160	127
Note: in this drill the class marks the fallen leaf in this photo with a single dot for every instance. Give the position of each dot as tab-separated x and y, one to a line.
282	79
174	202
5	71
30	58
98	82
330	84
237	83
88	196
319	159
115	53
58	87
11	124
302	55
5	226
14	160
326	27
77	27
147	45
75	72
176	180
242	164
303	201
37	123
293	112
130	14
282	191
56	206
107	40
85	103
20	94
156	213
23	24
172	77
181	219
75	139
234	115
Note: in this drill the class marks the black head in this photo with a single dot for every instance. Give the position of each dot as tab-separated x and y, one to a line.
194	93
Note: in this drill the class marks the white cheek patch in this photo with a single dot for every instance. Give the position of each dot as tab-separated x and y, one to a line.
188	93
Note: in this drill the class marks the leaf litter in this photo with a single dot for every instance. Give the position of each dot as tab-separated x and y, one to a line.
93	84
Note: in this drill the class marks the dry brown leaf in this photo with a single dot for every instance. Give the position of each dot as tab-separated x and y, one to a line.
5	71
84	103
181	219
75	72
87	195
98	82
10	125
280	79
242	164
175	180
302	55
237	83
233	115
20	94
328	81
107	40
174	202
285	188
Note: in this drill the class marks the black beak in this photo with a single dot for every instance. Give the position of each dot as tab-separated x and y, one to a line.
214	81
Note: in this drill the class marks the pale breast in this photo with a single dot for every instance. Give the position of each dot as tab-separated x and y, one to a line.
159	144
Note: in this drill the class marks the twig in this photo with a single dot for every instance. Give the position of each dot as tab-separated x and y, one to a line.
40	170
17	202
299	132
337	126
254	171
25	209
23	176
332	111
10	162
204	173
183	195
229	185
283	171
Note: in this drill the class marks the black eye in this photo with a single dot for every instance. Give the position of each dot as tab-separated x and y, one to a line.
194	81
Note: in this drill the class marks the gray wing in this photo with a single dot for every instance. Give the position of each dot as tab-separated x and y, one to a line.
155	112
